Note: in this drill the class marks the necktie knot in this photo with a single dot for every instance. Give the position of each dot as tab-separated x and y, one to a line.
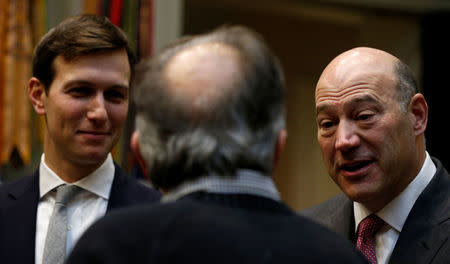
370	225
65	192
367	229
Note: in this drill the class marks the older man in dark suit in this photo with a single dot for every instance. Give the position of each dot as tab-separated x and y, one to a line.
210	128
80	84
371	123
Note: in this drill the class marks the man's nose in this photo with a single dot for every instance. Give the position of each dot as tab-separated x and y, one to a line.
97	109
347	137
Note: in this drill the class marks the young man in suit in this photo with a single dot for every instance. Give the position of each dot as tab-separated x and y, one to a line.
371	123
80	84
210	128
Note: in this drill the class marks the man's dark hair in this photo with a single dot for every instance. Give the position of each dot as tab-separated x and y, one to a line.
237	131
74	37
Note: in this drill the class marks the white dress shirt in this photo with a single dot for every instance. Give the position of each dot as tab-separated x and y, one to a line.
396	212
86	207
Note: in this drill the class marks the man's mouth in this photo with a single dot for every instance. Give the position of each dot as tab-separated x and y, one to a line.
355	168
94	135
93	132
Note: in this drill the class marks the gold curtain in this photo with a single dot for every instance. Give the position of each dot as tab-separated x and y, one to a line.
3	16
16	53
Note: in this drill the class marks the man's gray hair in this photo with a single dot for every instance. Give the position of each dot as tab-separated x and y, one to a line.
239	131
406	85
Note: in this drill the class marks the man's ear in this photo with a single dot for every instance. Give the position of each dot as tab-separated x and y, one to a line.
279	146
419	109
134	144
36	93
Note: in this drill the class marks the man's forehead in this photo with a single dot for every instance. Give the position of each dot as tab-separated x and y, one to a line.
349	102
360	60
346	77
364	55
366	87
108	68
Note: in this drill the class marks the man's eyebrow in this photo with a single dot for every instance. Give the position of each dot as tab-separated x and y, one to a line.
89	83
360	99
322	108
78	82
364	99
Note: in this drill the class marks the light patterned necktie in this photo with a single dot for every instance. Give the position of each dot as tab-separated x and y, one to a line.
367	229
55	242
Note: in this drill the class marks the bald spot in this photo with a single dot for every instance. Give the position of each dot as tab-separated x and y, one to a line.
200	76
357	67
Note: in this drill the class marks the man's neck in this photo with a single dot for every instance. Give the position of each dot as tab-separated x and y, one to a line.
70	171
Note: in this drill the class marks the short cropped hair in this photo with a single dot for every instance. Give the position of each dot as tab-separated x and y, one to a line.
238	132
406	84
74	37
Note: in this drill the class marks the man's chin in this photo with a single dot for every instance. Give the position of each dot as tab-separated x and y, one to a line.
92	158
362	198
360	193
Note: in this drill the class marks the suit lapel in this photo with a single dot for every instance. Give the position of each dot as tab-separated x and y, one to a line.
20	219
335	214
340	216
426	228
341	219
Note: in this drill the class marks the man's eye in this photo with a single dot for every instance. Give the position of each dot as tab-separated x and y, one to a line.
326	124
79	91
115	95
364	116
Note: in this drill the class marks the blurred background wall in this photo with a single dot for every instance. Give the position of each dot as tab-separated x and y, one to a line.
305	35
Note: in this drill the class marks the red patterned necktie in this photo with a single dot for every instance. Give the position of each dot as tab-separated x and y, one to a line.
367	229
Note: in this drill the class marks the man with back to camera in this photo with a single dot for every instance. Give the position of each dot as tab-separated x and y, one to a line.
371	123
210	129
80	83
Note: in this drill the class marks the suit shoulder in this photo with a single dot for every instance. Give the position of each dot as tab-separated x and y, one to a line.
326	207
146	191
148	220
16	187
109	240
132	190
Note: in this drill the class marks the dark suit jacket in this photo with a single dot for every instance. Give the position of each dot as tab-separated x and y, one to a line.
18	209
425	235
211	228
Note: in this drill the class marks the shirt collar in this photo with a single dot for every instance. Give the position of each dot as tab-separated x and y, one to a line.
98	182
396	212
245	182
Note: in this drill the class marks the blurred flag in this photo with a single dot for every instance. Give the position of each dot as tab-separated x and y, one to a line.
115	11
145	46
